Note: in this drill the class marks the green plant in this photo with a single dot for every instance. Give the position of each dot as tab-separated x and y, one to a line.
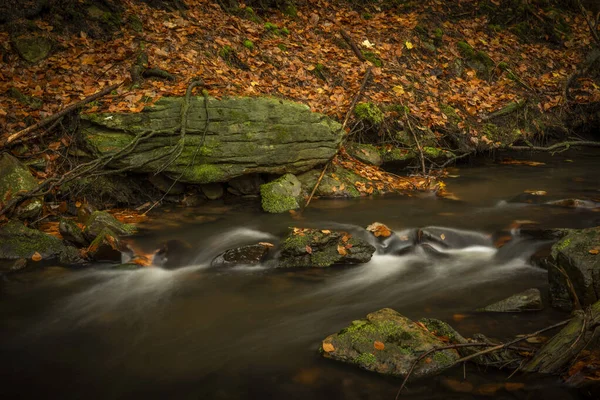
248	44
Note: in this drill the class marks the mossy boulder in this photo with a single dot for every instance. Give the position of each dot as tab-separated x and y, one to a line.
105	247
241	136
528	300
322	248
281	195
366	153
337	182
72	233
18	241
572	254
101	220
15	178
32	47
369	112
388	343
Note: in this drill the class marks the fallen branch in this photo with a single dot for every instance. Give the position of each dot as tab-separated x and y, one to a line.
417	143
363	85
62	113
491	348
352	45
453	159
562	145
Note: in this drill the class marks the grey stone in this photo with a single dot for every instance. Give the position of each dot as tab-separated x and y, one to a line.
529	300
245	255
281	195
33	48
71	232
366	153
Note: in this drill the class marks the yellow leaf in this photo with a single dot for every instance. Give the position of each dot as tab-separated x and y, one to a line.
36	256
399	90
408	45
378	345
443	237
328	347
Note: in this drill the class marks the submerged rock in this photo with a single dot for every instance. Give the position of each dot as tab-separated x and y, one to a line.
15	178
100	220
529	300
323	248
388	343
576	254
241	136
18	241
281	195
245	255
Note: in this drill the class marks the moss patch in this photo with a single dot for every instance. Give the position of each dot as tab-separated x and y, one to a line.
369	112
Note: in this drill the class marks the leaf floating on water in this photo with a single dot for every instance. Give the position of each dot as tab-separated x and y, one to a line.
443	237
36	256
328	347
378	345
342	250
308	249
510	161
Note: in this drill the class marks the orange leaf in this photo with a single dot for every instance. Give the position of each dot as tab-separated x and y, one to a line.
341	250
594	251
308	249
378	345
328	347
36	256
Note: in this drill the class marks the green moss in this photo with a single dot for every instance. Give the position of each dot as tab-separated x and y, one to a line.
372	58
226	52
284	31
367	16
248	44
450	112
560	246
205	173
365	359
369	112
271	26
438	33
433	152
443	358
466	50
282	47
502	66
276	197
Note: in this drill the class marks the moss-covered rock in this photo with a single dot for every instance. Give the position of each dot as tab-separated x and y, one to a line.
388	343
72	233
366	153
337	182
16	178
572	254
281	195
322	248
18	241
243	136
101	220
33	47
105	247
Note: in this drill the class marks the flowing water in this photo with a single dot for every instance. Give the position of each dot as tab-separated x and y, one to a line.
253	332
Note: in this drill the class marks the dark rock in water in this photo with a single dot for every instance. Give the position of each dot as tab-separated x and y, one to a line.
573	203
212	191
529	300
576	254
17	241
323	248
245	255
72	233
100	220
173	254
245	185
105	247
15	178
388	343
281	195
530	198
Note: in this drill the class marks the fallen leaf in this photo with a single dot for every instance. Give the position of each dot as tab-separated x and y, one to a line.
308	249
325	231
341	250
378	345
36	256
328	347
459	317
408	45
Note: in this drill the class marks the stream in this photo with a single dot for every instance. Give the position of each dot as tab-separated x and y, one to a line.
253	332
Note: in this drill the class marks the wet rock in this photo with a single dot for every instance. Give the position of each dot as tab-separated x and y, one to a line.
365	153
212	191
337	182
323	248
241	136
18	241
529	300
573	203
281	195
245	255
245	185
388	343
575	255
166	184
536	197
15	178
72	233
105	247
100	220
32	47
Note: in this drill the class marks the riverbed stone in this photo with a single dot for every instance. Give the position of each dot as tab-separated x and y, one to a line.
388	343
322	248
100	220
576	254
72	233
241	136
528	300
15	178
281	195
245	185
252	254
18	241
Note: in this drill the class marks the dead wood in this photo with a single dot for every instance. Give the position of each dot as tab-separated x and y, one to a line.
352	45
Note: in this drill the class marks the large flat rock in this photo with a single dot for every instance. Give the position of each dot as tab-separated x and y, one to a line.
243	136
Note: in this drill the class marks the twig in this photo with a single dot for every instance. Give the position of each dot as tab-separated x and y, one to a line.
474	355
62	113
352	45
417	143
557	146
357	97
453	159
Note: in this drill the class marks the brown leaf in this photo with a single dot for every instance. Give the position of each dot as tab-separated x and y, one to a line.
36	256
378	345
328	347
308	249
